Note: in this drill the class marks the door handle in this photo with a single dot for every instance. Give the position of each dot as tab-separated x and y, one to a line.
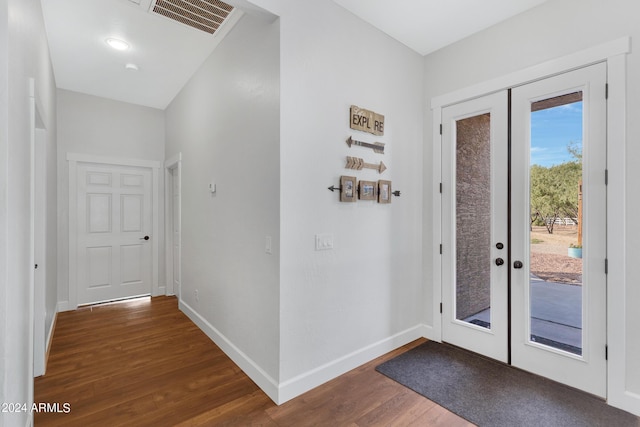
517	264
499	261
144	238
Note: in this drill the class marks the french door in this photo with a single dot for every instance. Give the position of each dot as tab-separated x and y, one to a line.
474	212
516	215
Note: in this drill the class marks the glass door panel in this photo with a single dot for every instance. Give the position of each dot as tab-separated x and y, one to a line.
473	220
555	240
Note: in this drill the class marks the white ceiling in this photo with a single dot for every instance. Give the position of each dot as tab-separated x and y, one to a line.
168	53
428	25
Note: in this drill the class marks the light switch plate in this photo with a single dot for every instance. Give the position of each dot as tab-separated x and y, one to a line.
324	242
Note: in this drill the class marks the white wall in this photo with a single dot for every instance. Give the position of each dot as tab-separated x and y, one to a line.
102	127
552	30
343	307
22	35
4	194
225	122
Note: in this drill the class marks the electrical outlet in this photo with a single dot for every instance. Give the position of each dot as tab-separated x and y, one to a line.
196	294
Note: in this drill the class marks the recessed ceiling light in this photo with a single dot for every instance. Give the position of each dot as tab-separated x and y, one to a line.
117	44
132	67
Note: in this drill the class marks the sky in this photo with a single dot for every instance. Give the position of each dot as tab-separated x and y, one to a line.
552	130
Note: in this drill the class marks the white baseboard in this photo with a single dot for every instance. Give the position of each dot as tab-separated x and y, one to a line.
169	291
63	306
432	334
320	375
300	384
49	339
53	326
627	401
257	374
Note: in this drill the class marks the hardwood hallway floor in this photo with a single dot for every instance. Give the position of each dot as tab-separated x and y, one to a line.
144	363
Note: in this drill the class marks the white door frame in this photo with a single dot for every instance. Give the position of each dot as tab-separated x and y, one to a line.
38	153
614	53
154	166
40	251
174	162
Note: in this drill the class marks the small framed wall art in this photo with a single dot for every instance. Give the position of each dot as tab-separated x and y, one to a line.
384	191
348	189
368	190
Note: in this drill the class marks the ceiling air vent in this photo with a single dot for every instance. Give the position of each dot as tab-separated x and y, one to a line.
204	15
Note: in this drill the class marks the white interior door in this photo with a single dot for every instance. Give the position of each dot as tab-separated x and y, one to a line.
559	314
114	223
474	215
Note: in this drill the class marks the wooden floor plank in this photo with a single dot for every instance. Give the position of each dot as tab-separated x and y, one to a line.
144	363
401	409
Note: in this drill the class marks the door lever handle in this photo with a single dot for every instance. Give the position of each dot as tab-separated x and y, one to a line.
144	238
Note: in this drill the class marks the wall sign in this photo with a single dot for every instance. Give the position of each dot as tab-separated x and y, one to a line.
366	121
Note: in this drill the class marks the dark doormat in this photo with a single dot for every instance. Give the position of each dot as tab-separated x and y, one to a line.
492	394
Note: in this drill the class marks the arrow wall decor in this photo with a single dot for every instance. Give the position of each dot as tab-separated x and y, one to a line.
358	164
378	147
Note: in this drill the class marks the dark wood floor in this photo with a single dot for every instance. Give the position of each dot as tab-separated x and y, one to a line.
144	362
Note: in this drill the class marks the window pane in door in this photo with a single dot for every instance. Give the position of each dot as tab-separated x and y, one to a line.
473	220
556	223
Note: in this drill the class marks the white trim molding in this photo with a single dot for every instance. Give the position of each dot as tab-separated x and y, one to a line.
156	187
293	387
175	162
287	390
617	282
436	272
244	362
580	59
117	161
49	339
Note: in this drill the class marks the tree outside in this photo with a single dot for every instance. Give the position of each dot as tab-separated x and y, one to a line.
554	191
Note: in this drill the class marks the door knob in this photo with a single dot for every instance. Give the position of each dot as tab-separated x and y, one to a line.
144	238
499	261
517	264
